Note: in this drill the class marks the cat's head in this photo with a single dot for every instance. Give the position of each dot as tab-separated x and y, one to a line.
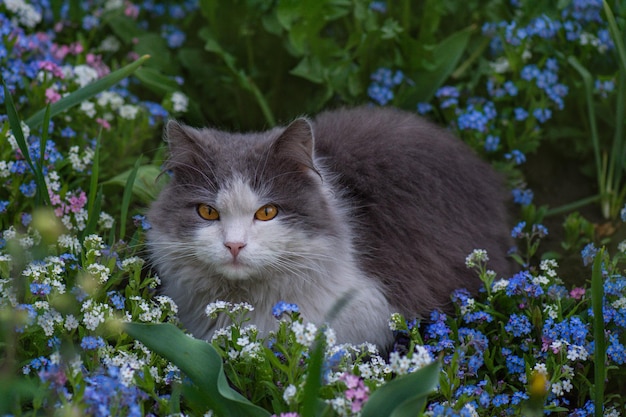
242	205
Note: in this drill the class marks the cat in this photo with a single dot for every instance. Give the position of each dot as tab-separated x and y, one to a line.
376	203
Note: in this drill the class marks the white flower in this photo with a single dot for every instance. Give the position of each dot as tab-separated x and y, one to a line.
84	74
99	272
289	393
620	303
500	285
132	263
88	108
180	102
110	44
540	368
472	411
110	98
128	111
575	352
500	65
70	323
27	15
551	310
106	220
69	242
216	307
4	169
557	389
477	257
540	280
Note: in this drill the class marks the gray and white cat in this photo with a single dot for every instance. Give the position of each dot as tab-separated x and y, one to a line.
372	202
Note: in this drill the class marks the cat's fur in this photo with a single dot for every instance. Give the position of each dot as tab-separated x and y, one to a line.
373	202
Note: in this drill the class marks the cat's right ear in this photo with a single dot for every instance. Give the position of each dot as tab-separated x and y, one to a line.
185	144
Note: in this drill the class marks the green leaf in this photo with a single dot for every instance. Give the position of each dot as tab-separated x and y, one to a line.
86	92
599	356
16	129
200	362
404	396
446	55
147	184
128	192
156	81
311	405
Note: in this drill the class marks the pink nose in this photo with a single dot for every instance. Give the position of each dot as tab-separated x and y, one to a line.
234	247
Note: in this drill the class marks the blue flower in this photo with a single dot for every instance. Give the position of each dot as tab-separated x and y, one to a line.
522	197
117	299
500	400
491	143
380	94
516	156
3	205
518	230
542	115
92	342
142	221
40	289
379	6
282	307
518	325
520	114
588	253
423	108
29	189
616	351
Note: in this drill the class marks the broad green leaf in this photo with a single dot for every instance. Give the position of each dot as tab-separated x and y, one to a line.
199	361
404	396
147	183
156	81
447	55
86	92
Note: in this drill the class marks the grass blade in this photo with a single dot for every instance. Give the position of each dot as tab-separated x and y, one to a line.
93	181
128	193
597	295
86	92
595	137
16	128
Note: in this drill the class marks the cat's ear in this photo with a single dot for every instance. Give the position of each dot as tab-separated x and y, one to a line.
185	143
296	144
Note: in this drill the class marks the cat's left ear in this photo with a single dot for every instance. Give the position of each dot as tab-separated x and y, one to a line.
296	144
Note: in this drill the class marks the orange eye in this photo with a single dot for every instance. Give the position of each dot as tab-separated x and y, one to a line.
208	212
267	212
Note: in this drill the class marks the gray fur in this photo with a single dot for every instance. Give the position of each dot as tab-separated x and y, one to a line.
372	201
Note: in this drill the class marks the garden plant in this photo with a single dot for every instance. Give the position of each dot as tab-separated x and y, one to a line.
531	86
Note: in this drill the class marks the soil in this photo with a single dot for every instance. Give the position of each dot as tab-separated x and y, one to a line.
556	181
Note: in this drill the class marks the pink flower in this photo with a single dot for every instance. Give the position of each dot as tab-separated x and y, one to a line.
131	11
52	68
286	415
357	392
104	123
52	96
77	203
577	293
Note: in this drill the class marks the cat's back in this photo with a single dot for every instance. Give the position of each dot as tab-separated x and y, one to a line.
421	199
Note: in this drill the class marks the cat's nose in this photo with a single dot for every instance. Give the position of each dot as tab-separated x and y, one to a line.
234	247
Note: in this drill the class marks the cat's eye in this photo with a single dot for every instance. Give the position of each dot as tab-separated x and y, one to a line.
207	212
267	212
